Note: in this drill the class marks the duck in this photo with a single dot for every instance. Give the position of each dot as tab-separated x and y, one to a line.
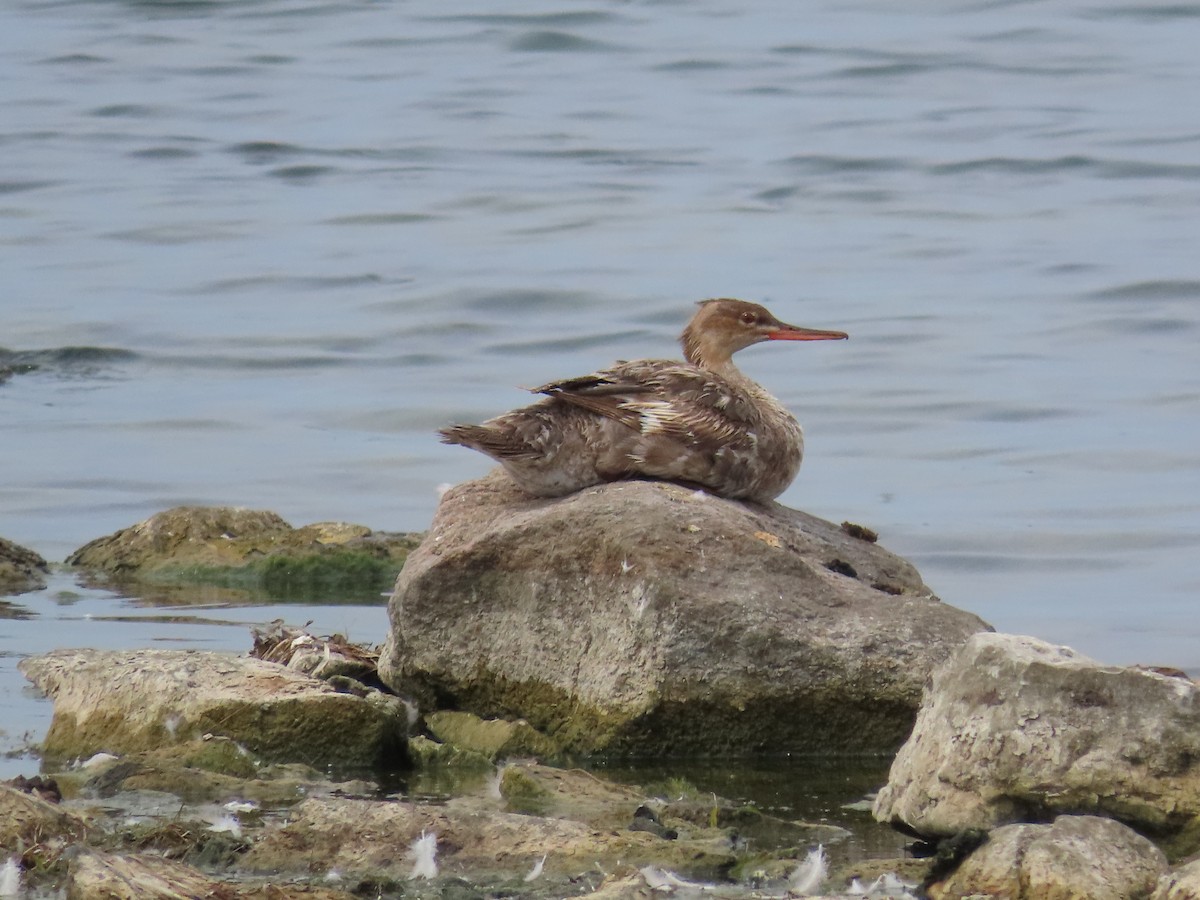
701	422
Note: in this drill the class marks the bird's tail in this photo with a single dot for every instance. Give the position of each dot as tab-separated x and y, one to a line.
499	443
466	435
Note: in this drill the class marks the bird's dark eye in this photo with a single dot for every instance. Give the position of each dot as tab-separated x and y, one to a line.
749	318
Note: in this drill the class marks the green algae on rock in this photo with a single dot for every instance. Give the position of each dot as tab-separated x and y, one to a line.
248	549
492	738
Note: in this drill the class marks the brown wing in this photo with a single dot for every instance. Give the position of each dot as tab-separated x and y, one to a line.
676	400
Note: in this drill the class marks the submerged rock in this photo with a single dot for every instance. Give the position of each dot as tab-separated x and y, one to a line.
247	548
647	617
120	702
1075	858
1013	729
21	570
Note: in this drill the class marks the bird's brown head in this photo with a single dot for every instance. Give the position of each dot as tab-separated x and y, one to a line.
720	328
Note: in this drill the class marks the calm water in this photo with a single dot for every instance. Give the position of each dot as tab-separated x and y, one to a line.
299	236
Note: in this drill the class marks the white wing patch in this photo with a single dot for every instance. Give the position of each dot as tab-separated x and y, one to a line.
658	416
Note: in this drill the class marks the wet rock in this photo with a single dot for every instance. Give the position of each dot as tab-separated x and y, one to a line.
1014	729
1075	858
529	787
210	770
1181	884
247	548
646	617
427	753
492	738
122	702
21	570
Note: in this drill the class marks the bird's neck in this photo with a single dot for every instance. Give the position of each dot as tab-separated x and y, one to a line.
708	355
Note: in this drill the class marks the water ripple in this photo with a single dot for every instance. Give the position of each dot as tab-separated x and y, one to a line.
553	345
530	19
273	283
127	111
17	187
75	362
1164	289
558	42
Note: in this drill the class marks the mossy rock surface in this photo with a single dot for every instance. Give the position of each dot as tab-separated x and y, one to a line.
492	738
248	549
21	569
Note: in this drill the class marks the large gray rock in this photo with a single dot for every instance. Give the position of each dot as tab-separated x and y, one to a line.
1075	858
647	617
122	702
1014	729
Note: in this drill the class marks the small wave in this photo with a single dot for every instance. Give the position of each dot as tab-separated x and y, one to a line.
691	65
170	235
1015	165
74	361
302	172
1021	562
1150	12
265	151
1101	168
16	187
605	157
72	59
823	165
163	153
529	19
297	282
1022	414
270	59
1164	289
897	69
396	218
558	42
254	362
580	342
126	111
516	301
66	356
1125	325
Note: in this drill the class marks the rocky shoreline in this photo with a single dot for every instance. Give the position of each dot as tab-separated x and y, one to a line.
630	619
